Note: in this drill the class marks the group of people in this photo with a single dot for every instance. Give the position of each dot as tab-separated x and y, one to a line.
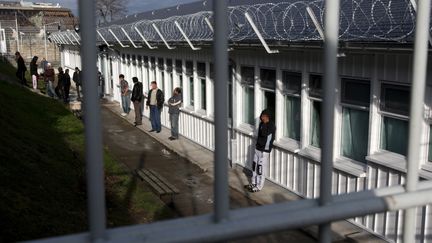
61	90
155	102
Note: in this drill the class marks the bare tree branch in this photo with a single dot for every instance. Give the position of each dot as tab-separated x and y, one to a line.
109	10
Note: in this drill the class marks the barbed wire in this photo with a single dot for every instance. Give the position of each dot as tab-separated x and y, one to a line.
360	20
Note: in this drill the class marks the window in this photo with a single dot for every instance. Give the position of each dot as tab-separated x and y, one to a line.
315	93
248	81
201	72
268	85
179	71
355	99
230	89
291	90
169	69
189	74
430	145
395	100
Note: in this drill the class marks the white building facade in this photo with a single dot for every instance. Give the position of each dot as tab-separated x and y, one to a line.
371	113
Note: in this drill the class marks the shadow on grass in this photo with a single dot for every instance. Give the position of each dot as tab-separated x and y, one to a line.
42	173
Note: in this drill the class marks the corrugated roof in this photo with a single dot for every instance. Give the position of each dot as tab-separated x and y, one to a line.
277	20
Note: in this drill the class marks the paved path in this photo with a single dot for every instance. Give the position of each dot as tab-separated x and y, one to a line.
197	161
138	150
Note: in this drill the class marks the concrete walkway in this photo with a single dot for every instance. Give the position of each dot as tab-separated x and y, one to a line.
192	171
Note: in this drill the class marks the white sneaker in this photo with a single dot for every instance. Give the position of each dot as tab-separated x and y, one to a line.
123	114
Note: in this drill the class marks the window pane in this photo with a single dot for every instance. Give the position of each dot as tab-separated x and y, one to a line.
268	78
247	75
292	123
152	63
230	108
315	88
430	144
191	91
203	94
169	65
270	102
201	69
316	123
189	68
395	98
161	63
355	131
248	103
291	82
394	135
178	66
355	92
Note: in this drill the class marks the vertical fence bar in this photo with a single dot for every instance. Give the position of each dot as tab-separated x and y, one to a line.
416	111
331	31
92	121
220	47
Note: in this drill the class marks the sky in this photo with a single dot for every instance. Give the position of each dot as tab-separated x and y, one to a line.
133	6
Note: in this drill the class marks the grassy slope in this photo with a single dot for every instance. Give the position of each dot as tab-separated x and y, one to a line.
42	188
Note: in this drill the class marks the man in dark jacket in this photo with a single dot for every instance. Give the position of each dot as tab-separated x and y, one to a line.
60	82
137	98
155	101
263	147
77	79
33	71
21	68
66	86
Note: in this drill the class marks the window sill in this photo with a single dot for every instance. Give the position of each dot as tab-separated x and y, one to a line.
246	129
288	144
311	153
188	109
351	167
343	164
201	113
389	159
427	167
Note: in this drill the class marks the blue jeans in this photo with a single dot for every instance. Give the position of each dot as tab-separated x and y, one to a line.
126	103
155	118
174	119
50	89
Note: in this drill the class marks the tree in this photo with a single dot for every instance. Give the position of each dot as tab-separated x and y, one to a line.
109	10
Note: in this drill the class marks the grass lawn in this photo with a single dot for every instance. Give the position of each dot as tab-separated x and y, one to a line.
42	174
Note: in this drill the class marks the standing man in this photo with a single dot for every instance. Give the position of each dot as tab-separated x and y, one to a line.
49	77
125	95
137	98
34	72
77	79
66	86
60	83
21	68
174	111
264	145
155	102
44	64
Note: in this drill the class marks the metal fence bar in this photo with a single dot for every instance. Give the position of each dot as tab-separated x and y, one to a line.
416	111
220	46
331	31
272	218
92	121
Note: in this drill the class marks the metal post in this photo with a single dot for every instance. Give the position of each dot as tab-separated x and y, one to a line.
45	43
416	111
16	27
220	46
92	119
331	26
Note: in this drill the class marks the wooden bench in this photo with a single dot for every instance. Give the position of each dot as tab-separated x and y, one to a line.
158	183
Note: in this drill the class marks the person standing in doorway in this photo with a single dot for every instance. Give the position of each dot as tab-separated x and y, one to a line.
174	104
34	72
21	68
66	86
137	98
76	77
125	95
263	147
155	101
